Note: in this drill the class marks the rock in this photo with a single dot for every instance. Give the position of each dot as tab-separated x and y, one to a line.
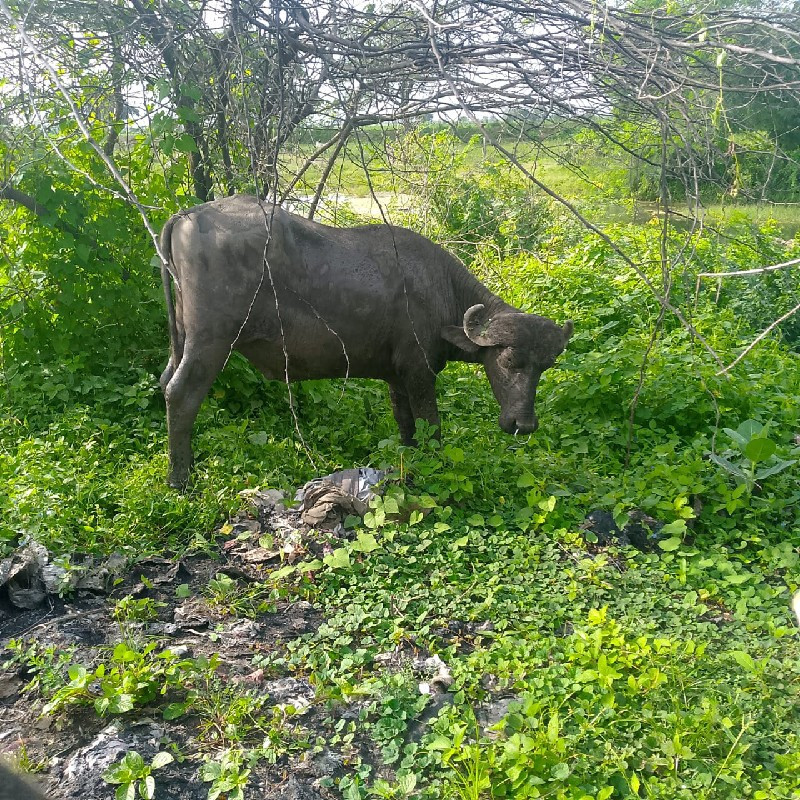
84	769
29	576
21	576
601	524
325	764
641	531
10	685
290	692
295	789
98	578
489	714
192	612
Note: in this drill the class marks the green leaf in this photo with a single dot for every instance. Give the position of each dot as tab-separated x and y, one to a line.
459	543
308	566
148	787
161	759
182	590
737	437
743	660
738	579
283	572
121	703
116	773
174	710
760	449
260	438
526	480
185	144
728	466
126	791
338	559
390	506
186	114
780	466
670	544
455	454
407	783
553	727
210	771
83	251
365	543
749	428
440	743
675	528
560	771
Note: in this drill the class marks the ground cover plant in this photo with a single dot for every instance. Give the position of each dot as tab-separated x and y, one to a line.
578	665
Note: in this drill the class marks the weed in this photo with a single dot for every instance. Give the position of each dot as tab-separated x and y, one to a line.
46	664
668	674
227	775
229	596
132	773
130	679
756	458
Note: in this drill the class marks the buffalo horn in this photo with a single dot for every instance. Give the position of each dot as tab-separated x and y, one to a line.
569	327
477	325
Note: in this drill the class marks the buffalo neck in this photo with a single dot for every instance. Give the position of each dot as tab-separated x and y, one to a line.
468	291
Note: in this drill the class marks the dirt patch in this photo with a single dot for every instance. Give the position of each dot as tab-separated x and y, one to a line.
208	631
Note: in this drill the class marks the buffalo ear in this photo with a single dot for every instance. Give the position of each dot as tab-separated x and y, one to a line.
568	328
455	335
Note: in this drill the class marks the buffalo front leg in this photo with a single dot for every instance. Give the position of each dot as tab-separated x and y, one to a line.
421	393
401	406
184	394
166	376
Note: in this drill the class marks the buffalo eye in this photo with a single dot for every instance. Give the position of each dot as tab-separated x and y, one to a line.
511	360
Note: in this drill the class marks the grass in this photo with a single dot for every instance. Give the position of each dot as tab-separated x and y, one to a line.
595	182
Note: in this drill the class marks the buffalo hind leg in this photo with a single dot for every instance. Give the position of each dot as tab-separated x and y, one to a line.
184	393
403	415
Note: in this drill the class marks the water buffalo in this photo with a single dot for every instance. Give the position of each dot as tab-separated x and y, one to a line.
303	301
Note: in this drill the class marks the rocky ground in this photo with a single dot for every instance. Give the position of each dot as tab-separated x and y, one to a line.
213	619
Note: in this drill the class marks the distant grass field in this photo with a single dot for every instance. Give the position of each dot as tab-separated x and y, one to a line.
597	184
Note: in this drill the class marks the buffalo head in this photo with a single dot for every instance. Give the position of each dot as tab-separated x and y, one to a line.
515	348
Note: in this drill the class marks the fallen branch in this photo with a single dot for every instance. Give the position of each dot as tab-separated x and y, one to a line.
761	336
795	262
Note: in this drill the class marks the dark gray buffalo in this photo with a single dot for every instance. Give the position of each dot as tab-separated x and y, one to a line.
302	300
